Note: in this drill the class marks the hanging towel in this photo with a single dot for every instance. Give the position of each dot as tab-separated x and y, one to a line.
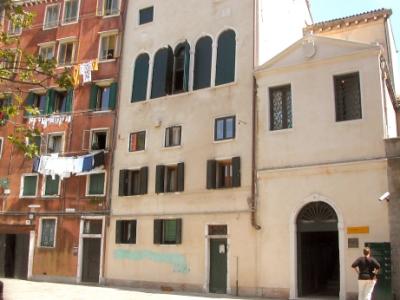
87	163
98	159
78	165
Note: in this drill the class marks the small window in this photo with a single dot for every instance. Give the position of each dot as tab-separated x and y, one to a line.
347	97
29	185
133	182
48	232
55	143
99	140
223	173
52	186
224	128
173	136
170	178
125	232
39	101
11	60
14	29
46	52
280	107
217	230
137	141
92	226
108	47
71	8
103	98
146	15
108	7
168	232
51	16
66	53
96	184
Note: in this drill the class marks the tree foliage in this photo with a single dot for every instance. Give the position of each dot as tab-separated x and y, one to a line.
20	72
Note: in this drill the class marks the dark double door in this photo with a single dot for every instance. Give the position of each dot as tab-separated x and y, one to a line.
14	255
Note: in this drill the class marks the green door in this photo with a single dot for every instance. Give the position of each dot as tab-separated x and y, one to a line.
218	265
383	288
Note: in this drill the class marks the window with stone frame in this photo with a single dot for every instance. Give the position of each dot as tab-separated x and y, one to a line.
51	16
71	9
125	231
347	97
137	141
48	228
133	182
173	136
168	231
280	106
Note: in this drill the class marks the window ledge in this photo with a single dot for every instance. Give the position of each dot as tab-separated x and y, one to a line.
46	247
50	196
27	197
101	111
138	151
223	85
348	121
280	131
50	28
59	67
102	61
172	147
111	16
97	195
223	141
69	23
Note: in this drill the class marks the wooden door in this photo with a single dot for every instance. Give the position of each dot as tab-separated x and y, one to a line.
218	265
91	260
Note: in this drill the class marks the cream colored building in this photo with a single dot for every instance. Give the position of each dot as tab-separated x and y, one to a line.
182	186
324	115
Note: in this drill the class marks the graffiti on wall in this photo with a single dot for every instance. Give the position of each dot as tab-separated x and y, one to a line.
176	260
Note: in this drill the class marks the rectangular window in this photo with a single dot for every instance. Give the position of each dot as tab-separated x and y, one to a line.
223	173
46	52
347	97
108	47
168	231
71	8
146	15
52	186
14	29
217	230
125	231
224	128
110	7
170	178
103	98
280	103
48	232
173	136
11	61
137	141
54	143
66	53
133	182
96	184
60	102
29	185
39	101
99	140
51	16
92	226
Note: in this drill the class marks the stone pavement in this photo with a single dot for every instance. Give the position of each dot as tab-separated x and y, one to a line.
15	289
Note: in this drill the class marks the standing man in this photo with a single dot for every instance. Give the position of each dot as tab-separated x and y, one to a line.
367	267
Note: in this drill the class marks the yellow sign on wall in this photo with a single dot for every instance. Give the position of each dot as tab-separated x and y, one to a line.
358	230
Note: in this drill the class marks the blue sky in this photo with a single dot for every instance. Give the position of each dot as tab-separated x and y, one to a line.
323	10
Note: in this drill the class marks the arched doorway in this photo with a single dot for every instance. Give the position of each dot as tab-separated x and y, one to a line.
317	251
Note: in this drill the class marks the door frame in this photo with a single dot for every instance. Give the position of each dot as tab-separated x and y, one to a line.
293	245
80	247
206	286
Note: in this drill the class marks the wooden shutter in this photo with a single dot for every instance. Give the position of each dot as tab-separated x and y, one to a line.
202	63
186	68
133	231
236	171
169	71
140	77
29	102
70	96
50	95
113	95
157	231
118	232
160	173
123	184
226	56
179	231
159	73
211	174
93	96
144	172
181	177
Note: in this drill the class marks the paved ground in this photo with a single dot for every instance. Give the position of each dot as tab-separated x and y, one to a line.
15	289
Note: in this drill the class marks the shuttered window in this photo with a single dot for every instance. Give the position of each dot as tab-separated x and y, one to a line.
224	173
125	231
181	68
96	184
48	232
347	97
202	63
162	73
140	77
103	97
170	178
168	231
52	186
29	185
133	182
226	57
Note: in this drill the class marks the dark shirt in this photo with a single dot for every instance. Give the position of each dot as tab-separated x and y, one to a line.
366	267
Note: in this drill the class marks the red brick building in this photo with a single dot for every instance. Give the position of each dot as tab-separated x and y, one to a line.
52	218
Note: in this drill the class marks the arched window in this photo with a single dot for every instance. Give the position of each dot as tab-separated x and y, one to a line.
162	73
140	76
181	68
226	57
202	63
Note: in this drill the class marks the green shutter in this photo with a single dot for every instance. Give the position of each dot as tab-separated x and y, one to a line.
96	184
169	231
52	186
140	77
211	174
50	98
143	180
181	177
202	63
29	186
118	232
113	95
160	172
157	231
29	102
226	56
186	68
178	231
93	96
160	68
70	97
236	171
